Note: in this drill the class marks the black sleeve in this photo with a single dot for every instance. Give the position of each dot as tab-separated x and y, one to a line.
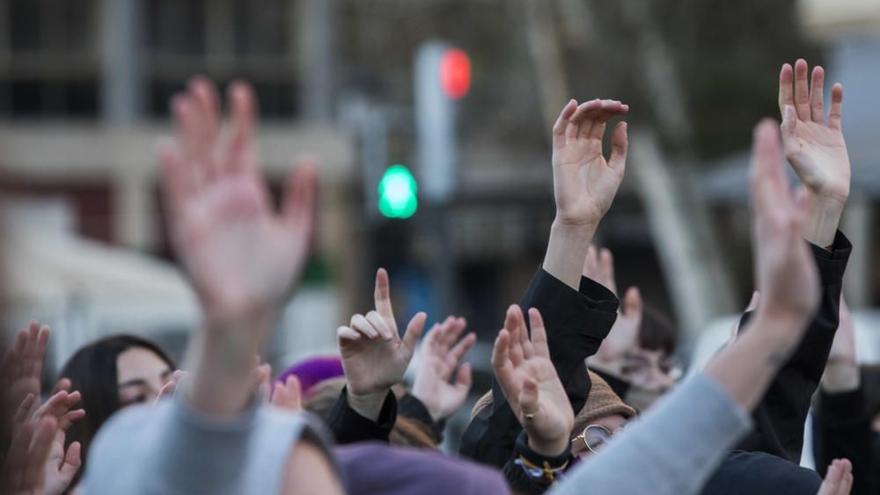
349	427
781	414
412	408
517	478
842	430
576	322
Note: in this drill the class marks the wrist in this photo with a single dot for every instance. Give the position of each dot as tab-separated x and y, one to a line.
781	329
549	448
574	229
368	404
824	219
566	250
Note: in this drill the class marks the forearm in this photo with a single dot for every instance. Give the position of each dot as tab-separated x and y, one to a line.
220	361
747	366
566	250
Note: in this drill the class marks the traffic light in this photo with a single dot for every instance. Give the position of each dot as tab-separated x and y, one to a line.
398	193
455	73
442	79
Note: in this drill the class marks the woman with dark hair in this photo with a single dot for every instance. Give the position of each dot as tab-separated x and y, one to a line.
112	373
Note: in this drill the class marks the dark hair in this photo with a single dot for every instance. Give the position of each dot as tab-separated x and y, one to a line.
657	332
92	372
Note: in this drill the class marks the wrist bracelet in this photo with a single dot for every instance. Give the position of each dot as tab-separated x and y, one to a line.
544	473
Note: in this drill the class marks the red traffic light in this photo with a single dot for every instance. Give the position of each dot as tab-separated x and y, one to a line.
455	73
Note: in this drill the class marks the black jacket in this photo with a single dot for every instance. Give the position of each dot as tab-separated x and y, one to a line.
766	461
842	430
576	322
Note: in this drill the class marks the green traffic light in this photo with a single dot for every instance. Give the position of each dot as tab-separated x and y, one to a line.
398	193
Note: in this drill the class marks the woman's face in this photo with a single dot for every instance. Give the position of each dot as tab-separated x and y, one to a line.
140	375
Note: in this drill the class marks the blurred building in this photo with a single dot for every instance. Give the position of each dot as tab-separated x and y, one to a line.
84	89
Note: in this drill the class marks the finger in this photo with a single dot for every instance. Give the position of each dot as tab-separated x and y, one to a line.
632	302
42	343
833	477
346	333
24	409
846	477
185	118
801	90
576	119
18	457
413	332
178	181
71	417
608	110
63	384
514	325
539	333
240	155
454	330
382	295
379	324
619	146
463	379
606	266
786	93
586	117
817	95
167	390
362	325
591	264
562	123
205	106
528	397
288	395
502	364
72	461
834	116
461	348
768	178
300	199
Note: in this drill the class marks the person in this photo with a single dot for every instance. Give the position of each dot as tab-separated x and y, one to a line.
375	357
112	373
637	358
705	415
841	421
579	312
243	259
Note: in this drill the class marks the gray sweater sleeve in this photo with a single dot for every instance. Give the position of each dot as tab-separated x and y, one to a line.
674	447
171	449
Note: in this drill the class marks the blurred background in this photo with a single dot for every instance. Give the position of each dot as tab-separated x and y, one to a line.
430	121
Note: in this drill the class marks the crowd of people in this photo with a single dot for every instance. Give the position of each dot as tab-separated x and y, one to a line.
587	395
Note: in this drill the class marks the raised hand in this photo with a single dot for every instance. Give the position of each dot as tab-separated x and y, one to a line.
784	269
241	255
599	266
441	354
287	395
374	357
814	145
22	365
838	479
584	181
530	384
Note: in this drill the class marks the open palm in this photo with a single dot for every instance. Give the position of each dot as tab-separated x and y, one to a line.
439	357
814	146
240	254
530	384
374	357
585	182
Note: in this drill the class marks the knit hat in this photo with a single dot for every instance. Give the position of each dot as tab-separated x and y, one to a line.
312	371
601	402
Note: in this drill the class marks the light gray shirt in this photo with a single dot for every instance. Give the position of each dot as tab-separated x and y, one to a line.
672	449
170	449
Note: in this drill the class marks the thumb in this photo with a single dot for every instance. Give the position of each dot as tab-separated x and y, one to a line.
528	397
72	461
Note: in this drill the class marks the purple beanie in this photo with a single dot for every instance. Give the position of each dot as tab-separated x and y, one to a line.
314	370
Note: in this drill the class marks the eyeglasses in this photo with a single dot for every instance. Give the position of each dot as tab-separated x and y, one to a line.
592	439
